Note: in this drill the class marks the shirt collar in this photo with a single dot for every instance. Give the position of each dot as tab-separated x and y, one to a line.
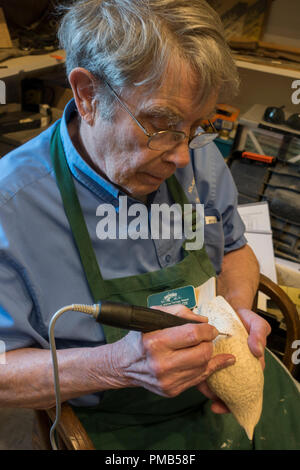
79	168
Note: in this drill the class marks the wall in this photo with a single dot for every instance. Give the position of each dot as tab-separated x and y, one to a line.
264	88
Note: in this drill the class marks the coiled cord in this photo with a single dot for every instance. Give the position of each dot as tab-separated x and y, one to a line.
87	309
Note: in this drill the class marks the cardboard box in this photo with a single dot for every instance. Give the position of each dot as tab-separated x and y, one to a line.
243	20
5	40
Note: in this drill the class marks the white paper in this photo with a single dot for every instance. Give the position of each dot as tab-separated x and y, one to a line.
259	237
255	216
206	292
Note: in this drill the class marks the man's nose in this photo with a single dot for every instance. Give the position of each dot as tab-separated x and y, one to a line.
179	155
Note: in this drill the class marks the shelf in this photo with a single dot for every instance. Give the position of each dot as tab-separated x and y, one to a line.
275	68
30	63
34	63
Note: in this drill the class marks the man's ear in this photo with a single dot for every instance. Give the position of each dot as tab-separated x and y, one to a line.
82	83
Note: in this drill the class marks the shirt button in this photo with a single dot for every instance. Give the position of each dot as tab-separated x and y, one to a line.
168	258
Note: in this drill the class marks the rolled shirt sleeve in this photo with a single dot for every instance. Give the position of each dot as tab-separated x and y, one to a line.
218	193
17	311
19	319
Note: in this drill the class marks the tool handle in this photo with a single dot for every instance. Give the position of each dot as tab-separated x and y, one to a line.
131	317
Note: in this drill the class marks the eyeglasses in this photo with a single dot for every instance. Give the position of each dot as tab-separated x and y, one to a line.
167	139
276	116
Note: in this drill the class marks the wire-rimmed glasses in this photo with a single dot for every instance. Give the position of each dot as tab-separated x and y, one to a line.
165	140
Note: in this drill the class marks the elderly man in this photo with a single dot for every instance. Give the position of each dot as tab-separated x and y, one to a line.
144	74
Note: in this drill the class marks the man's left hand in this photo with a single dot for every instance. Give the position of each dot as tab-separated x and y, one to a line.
258	330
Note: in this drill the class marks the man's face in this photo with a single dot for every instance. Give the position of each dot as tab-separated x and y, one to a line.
118	150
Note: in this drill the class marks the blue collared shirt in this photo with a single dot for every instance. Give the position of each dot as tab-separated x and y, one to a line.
40	270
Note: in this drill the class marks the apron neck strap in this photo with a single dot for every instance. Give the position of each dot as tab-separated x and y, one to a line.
75	217
176	191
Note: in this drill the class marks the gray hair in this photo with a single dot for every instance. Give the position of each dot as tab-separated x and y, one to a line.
130	43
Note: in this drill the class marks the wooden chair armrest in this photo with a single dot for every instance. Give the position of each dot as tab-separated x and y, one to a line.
70	429
290	315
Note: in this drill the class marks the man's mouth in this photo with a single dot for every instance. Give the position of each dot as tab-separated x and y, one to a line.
158	179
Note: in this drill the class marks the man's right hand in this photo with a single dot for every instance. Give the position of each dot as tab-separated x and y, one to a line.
169	361
166	362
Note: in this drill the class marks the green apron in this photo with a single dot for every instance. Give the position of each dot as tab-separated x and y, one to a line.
135	418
